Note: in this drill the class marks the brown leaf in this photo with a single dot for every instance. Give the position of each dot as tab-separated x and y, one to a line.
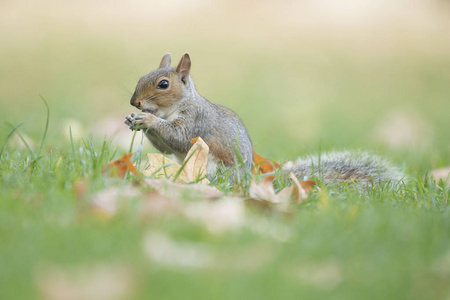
298	191
120	167
263	190
265	165
194	168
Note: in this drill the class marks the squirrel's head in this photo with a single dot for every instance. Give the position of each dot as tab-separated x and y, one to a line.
159	90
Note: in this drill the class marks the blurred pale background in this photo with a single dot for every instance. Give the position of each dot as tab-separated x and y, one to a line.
303	75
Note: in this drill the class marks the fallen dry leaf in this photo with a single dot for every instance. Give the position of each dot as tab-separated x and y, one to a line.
120	167
296	193
194	168
161	166
263	190
196	160
263	165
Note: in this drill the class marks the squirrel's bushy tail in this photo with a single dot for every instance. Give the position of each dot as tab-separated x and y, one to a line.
353	167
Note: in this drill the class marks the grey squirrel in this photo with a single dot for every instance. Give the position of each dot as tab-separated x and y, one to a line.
173	113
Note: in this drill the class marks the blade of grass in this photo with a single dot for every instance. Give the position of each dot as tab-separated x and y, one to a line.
21	137
46	125
132	141
71	142
7	138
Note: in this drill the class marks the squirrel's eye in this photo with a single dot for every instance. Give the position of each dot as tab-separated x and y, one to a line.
163	84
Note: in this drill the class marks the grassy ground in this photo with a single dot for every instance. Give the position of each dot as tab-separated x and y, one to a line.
296	96
338	244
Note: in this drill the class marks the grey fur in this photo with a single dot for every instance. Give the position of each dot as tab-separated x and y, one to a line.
196	116
172	127
359	167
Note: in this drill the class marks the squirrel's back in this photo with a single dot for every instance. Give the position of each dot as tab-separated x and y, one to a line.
225	134
361	168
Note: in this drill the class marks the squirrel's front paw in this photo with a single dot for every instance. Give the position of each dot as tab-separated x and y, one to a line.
140	121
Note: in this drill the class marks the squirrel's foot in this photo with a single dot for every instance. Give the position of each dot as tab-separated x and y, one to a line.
138	121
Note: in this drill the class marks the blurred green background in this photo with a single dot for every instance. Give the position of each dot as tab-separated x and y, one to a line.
303	76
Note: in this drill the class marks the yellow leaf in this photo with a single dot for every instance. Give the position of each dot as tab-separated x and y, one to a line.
196	161
161	166
194	167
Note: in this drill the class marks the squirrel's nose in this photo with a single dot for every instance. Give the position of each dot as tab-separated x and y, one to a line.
134	102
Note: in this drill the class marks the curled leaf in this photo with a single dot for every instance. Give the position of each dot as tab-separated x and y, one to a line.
161	166
263	165
263	190
193	168
120	167
196	159
296	193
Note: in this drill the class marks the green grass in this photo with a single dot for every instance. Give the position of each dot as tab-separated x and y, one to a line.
295	98
339	244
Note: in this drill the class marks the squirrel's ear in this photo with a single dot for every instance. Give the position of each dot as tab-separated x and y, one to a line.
184	67
165	61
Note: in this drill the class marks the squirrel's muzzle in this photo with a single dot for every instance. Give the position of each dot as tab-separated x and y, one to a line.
134	102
